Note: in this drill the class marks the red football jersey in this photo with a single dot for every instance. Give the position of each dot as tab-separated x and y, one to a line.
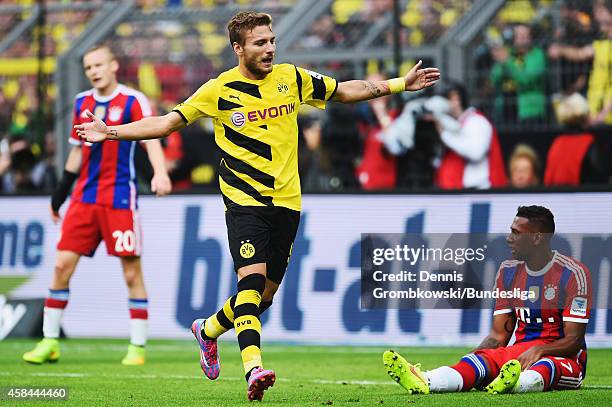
107	174
561	292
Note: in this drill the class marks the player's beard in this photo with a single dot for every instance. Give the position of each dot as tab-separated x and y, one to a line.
252	65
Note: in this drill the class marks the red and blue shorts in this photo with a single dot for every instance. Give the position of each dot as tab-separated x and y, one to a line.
565	373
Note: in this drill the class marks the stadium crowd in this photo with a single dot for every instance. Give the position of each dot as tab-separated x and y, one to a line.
541	77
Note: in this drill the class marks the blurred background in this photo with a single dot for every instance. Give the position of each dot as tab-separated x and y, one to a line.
539	70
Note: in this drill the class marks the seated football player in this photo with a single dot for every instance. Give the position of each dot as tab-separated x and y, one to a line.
549	351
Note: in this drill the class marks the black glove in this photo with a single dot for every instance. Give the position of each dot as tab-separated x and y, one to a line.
62	190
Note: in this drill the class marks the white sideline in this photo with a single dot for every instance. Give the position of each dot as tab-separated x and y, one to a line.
228	378
192	345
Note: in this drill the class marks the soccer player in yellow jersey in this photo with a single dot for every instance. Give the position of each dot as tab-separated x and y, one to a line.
254	108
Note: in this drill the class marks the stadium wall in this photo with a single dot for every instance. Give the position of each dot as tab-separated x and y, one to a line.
189	274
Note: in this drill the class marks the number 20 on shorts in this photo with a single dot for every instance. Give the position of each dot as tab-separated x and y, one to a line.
124	240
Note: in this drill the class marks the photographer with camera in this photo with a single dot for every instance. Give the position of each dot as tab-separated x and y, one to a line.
470	156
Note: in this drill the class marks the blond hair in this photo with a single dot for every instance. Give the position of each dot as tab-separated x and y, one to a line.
573	110
101	46
525	151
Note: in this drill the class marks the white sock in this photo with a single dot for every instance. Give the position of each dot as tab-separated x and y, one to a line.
444	379
138	331
529	381
51	322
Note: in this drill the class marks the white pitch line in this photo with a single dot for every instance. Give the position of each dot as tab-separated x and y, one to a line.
272	348
229	378
186	377
59	374
354	382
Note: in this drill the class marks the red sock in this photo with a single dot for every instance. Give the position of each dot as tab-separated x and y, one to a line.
472	369
467	373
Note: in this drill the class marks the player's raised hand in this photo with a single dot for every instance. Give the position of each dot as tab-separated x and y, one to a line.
161	185
94	131
420	78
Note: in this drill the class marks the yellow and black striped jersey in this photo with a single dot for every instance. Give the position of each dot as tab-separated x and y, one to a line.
256	129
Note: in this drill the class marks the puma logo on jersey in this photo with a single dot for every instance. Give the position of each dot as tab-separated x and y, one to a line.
234	97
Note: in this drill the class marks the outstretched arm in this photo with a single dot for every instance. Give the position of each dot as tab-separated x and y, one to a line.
501	331
147	128
576	54
567	347
360	90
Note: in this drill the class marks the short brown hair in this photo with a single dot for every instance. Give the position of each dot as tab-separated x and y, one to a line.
246	21
101	46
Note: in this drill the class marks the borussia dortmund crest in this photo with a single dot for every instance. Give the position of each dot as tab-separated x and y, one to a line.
282	87
247	250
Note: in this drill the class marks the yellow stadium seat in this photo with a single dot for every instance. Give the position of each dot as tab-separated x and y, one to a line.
206	28
518	11
213	44
372	67
10	89
58	32
416	37
203	174
449	16
406	66
124	30
23	104
148	82
344	9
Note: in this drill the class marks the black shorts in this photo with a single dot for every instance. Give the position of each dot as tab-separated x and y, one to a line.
262	234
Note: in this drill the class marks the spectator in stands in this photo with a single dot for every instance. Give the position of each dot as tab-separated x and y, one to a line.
575	158
5	157
322	33
7	22
599	91
430	26
520	68
43	174
376	10
378	168
577	29
524	167
196	64
18	178
311	161
472	156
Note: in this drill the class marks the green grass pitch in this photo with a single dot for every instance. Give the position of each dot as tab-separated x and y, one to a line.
307	376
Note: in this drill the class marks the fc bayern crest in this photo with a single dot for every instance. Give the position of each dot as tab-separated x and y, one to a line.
238	119
550	291
114	114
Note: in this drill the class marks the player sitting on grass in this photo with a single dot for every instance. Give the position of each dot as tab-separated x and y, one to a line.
549	351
